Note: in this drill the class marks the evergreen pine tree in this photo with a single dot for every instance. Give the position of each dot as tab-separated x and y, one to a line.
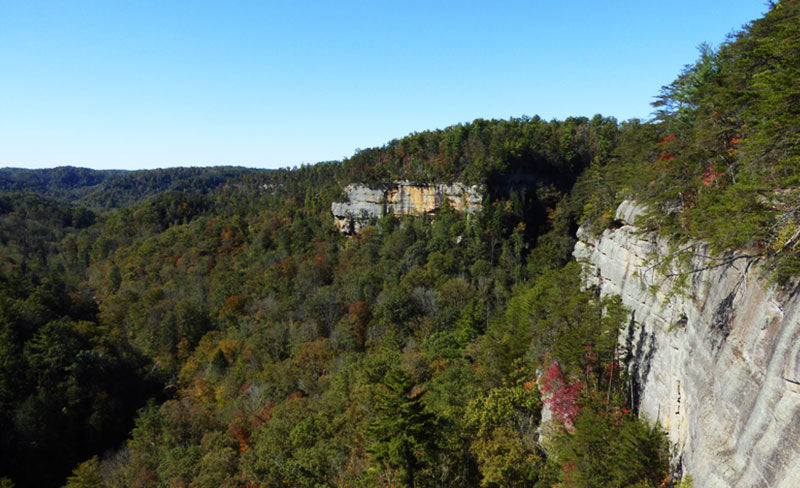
404	431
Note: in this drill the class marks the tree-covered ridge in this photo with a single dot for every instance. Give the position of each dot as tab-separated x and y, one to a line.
135	186
721	160
108	189
480	151
64	182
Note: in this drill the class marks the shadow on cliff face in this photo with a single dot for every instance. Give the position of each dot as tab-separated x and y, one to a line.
534	194
721	323
638	359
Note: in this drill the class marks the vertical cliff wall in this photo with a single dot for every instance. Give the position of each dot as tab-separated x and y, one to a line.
717	362
402	198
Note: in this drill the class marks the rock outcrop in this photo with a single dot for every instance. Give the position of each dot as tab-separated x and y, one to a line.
402	198
715	362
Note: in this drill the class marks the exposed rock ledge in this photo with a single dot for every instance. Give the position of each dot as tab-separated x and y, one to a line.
401	198
718	365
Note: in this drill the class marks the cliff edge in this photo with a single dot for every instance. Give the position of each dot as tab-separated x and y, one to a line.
402	198
715	360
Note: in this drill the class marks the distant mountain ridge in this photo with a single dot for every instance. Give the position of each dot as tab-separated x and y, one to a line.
108	189
63	182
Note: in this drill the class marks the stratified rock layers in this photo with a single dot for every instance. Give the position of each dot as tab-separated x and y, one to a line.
716	362
402	198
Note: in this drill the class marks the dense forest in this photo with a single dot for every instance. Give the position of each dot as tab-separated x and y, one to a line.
109	189
210	327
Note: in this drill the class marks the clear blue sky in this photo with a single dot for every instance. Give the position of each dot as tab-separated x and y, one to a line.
145	84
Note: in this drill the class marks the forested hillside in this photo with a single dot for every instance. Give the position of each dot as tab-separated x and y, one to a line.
275	351
721	159
211	328
110	189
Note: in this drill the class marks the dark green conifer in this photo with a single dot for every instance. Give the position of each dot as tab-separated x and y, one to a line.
404	431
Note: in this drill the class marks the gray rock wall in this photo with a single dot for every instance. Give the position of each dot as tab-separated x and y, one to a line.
717	363
402	198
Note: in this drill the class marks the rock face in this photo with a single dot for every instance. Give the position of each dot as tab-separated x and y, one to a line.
717	363
401	198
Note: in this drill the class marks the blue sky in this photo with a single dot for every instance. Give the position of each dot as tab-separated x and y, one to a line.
147	84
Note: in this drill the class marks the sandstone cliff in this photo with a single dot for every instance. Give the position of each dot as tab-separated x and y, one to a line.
717	363
401	198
